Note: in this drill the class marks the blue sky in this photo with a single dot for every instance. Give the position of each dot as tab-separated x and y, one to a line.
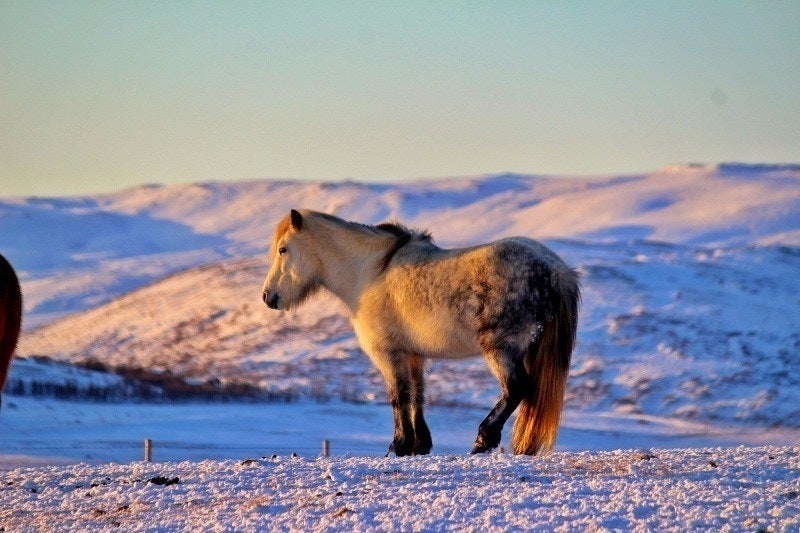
98	96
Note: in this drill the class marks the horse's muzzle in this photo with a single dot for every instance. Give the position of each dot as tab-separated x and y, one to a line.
270	300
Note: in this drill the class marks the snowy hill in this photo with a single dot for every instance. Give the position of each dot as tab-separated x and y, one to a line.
75	253
690	301
665	331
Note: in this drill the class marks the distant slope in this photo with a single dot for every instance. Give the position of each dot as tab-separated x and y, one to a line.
689	274
665	330
717	205
74	253
206	322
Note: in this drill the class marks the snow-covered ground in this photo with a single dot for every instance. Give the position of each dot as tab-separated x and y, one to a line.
687	339
734	489
73	466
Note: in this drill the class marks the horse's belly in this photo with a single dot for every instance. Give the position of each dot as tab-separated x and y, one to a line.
425	334
433	337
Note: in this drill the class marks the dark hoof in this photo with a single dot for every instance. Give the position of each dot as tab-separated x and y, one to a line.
479	449
420	450
482	446
399	449
423	446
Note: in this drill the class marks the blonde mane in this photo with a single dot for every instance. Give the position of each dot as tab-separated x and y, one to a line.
391	228
402	234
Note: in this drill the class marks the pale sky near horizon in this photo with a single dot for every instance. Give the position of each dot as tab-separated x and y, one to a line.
99	96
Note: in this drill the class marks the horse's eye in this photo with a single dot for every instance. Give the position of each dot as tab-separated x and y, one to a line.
281	250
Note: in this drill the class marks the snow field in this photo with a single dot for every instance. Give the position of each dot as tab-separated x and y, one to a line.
725	489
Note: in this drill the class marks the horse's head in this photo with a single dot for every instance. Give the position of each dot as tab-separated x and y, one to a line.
294	274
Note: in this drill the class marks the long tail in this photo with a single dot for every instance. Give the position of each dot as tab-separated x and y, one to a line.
539	413
10	316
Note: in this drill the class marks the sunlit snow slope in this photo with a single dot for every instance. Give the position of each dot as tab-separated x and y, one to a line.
690	294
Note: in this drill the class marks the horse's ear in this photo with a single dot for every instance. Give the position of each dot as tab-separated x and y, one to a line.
297	220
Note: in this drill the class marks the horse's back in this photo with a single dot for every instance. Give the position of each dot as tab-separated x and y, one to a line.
520	251
509	262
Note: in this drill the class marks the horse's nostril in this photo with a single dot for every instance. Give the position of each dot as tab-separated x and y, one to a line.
270	299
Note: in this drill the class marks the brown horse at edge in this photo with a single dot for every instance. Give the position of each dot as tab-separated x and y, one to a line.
10	317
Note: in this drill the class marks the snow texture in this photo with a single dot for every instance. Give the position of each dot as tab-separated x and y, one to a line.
734	489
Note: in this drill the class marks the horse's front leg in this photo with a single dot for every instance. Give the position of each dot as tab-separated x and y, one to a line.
397	373
423	442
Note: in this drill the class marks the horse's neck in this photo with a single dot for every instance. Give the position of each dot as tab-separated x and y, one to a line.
349	260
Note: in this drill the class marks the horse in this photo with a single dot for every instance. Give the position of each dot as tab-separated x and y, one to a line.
10	317
512	300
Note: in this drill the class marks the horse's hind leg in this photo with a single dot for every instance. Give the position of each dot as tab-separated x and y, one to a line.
422	435
510	370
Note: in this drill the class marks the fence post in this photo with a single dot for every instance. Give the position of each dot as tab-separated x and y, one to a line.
326	448
148	450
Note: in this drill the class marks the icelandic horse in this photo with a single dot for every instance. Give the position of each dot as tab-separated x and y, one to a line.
513	300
